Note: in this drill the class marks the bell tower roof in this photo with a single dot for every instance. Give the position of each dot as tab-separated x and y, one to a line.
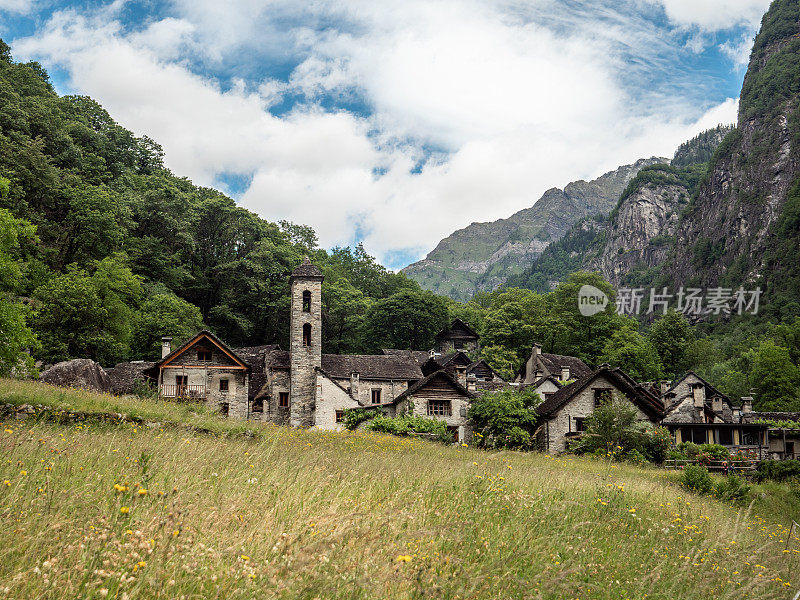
306	270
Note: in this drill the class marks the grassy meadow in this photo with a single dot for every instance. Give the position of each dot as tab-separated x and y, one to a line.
126	510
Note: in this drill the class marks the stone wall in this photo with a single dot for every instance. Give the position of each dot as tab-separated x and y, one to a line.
389	389
330	398
417	404
235	397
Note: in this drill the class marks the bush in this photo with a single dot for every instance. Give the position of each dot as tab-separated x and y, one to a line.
696	479
731	489
656	443
353	417
408	424
778	470
505	419
635	458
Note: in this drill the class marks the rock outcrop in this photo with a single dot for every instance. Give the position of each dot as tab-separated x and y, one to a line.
80	373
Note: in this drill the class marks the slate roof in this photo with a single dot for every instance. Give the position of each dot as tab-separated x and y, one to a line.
638	394
306	270
554	362
423	382
421	356
255	357
453	331
368	366
771	416
125	375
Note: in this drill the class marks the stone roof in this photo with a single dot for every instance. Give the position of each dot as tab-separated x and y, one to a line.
307	270
371	366
421	356
637	393
124	376
771	416
554	363
153	371
423	382
368	366
255	357
458	329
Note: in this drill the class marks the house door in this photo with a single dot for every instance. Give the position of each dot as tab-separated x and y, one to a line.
181	383
788	451
453	429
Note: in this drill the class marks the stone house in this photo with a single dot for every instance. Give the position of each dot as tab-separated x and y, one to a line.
541	364
203	369
459	336
563	413
695	411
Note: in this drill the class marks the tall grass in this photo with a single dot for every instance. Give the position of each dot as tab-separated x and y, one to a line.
125	511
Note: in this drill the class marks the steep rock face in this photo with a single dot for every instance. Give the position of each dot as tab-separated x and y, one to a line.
482	256
731	222
641	233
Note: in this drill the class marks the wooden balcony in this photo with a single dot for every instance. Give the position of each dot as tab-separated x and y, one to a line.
183	392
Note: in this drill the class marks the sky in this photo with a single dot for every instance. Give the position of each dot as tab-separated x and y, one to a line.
394	123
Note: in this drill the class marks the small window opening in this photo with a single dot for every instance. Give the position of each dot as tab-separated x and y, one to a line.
306	334
306	301
376	396
224	408
223	385
340	416
283	399
204	355
258	405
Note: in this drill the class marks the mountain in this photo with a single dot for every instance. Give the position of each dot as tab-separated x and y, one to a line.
734	221
483	255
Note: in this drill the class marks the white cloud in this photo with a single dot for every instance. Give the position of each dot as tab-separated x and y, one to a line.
518	106
714	15
16	6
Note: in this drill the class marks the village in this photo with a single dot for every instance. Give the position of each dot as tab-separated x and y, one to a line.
302	387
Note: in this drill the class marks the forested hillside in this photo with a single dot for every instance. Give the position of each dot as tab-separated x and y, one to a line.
103	250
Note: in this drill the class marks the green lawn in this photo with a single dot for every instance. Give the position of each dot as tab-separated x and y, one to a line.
132	511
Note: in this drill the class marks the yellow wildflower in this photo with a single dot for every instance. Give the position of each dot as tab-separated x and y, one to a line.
124	510
403	558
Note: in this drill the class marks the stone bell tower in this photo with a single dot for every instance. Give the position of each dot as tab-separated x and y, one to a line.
305	342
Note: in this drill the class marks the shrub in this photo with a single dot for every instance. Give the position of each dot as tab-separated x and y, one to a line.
635	458
656	443
408	424
731	489
696	479
353	417
716	451
778	470
505	419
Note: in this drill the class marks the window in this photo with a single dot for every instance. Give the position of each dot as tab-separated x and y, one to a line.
204	355
579	426
376	396
547	395
306	301
340	416
283	399
439	408
601	395
258	405
223	385
306	334
750	438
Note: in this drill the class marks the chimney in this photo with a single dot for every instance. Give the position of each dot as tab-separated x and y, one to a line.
699	393
166	346
564	373
716	404
355	379
665	385
461	375
747	404
472	383
537	349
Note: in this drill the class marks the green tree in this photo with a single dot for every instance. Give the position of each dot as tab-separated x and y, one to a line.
672	336
505	419
16	338
774	377
163	313
408	320
633	353
611	426
343	312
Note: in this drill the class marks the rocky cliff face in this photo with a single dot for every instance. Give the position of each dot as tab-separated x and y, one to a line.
483	256
641	234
